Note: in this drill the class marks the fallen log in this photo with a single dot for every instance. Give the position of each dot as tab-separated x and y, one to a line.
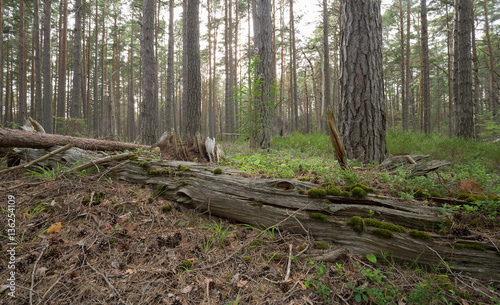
265	202
20	138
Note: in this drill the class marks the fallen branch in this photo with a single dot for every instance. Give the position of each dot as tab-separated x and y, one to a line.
55	152
99	162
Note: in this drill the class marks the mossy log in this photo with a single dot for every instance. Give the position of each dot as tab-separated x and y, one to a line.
260	202
265	202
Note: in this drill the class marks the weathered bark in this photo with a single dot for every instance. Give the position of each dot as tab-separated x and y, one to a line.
61	87
170	69
1	56
491	66
19	138
404	97
266	202
326	66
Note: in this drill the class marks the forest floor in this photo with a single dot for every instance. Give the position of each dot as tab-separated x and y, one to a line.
94	240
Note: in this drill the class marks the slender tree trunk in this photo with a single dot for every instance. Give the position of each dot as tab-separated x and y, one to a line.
95	120
407	98
455	70
475	69
103	131
185	63
193	97
425	94
362	106
1	57
150	82
47	83
61	87
76	100
491	66
130	106
170	68
465	122
326	66
23	108
450	74
211	123
293	55
263	40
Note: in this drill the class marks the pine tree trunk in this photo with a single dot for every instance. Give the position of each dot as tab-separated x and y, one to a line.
408	97
95	116
193	97
425	94
1	57
263	40
76	100
61	84
362	106
47	75
23	108
465	103
149	77
491	67
326	66
170	68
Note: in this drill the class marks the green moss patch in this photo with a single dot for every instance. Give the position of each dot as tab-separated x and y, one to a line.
468	246
301	192
419	234
356	223
217	171
256	204
383	233
349	188
358	192
321	245
316	193
305	179
370	222
166	208
186	265
333	190
318	216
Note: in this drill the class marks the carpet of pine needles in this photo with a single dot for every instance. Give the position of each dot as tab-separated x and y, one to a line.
119	244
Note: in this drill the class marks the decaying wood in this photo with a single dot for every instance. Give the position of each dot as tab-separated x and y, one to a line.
338	146
48	155
20	138
99	162
267	202
414	164
263	203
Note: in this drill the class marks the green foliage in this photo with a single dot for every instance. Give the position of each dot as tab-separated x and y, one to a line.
218	233
372	258
319	283
71	127
383	225
249	101
468	246
186	265
46	172
30	214
166	208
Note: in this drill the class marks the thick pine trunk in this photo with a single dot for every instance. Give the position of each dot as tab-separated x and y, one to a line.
362	109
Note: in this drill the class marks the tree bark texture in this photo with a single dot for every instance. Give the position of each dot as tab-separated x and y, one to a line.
404	98
47	77
23	108
38	63
425	93
61	79
326	67
408	94
465	103
76	100
149	78
362	107
20	138
1	59
193	82
263	41
491	66
170	69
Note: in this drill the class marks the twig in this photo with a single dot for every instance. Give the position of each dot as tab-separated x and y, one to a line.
107	282
55	152
34	271
98	161
287	269
251	240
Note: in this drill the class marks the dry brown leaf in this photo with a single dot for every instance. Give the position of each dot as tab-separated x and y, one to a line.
54	228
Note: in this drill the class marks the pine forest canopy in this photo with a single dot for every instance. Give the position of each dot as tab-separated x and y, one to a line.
117	69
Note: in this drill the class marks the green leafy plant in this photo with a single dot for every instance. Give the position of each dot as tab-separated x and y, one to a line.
45	173
317	283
